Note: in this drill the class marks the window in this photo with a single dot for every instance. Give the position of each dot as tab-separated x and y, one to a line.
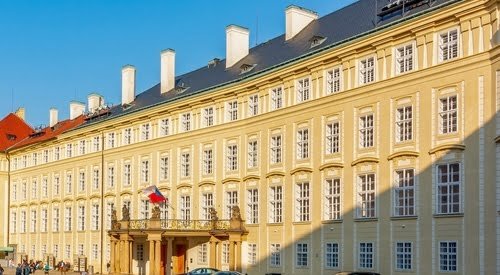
45	216
164	211
207	162
57	154
332	199
207	202
367	70
144	212
332	255
208	116
145	171
140	252
34	189
302	255
253	206
95	217
35	159
80	250
333	81
232	157
276	98
110	206
365	255
253	105
23	190
303	144
185	165
164	167
164	127
252	253
275	204
68	251
404	124
111	140
145	132
67	219
127	136
303	90
404	59
231	201
232	110
13	222
275	259
448	114
23	221
185	207
448	256
302	202
81	218
96	142
81	181
55	219
186	122
404	193
33	251
252	154
403	256
366	196
45	188
95	252
448	45
127	177
202	253
45	156
14	192
366	131
225	253
111	177
33	221
95	178
68	183
56	251
332	139
448	185
276	149
82	147
44	249
56	185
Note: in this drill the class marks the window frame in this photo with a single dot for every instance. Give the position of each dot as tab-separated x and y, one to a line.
441	46
402	62
367	74
334	83
303	92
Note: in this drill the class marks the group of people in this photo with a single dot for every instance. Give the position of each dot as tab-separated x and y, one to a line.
26	268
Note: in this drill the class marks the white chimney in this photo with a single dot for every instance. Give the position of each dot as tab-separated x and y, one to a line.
167	70
76	108
297	19
94	102
128	84
237	43
53	117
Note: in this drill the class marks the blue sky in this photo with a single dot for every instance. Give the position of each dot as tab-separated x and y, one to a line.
55	51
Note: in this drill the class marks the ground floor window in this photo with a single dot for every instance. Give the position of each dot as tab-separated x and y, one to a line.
302	255
366	255
403	256
447	256
331	255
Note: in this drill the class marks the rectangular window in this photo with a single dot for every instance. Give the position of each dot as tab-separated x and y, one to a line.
56	251
95	179
23	221
111	140
404	59
404	124
68	251
96	143
45	188
366	196
231	201
366	131
164	211
252	154
332	255
127	176
207	202
44	225
67	219
35	158
23	190
145	171
253	206
303	144
332	138
403	256
253	105
367	70
56	185
80	250
448	256
252	253
145	132
366	255
140	252
81	181
14	192
208	162
202	253
302	255
164	127
448	45
33	221
164	167
57	153
185	207
303	90
275	204
13	222
95	217
208	116
33	251
127	136
82	147
111	177
81	218
448	114
69	183
45	156
95	252
232	157
333	81
186	122
275	259
225	253
302	202
232	111
144	210
110	206
332	199
185	165
276	149
404	193
34	189
276	98
448	185
55	219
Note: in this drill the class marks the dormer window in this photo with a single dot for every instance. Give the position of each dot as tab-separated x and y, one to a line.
180	88
11	137
317	40
245	68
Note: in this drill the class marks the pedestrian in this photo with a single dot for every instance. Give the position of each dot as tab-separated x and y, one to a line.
46	268
18	269
1	270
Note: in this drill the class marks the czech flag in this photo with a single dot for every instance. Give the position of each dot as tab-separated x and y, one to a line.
155	196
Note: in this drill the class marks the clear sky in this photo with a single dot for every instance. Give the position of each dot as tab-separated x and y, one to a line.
55	51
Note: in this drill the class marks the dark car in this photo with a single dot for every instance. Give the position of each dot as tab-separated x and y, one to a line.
203	271
356	273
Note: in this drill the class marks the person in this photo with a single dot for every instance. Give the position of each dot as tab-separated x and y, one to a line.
46	268
1	270
18	269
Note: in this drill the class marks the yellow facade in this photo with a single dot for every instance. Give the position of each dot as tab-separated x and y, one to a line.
470	81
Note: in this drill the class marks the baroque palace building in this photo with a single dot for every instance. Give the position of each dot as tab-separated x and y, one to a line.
362	140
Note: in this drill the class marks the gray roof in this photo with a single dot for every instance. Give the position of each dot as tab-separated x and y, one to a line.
338	27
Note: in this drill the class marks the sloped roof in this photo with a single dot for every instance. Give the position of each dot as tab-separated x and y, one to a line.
12	130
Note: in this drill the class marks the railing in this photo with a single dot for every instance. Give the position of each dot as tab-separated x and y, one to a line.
174	224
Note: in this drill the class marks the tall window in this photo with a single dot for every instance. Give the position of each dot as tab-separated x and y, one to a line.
127	136
232	157
186	122
448	114
127	176
140	252
275	204
56	251
302	255
80	249
185	207
276	149
81	181
45	156
333	81
303	144
302	202
404	124
252	154
448	256
404	59
252	253
208	116
202	253
232	110
366	196
69	183
57	185
145	131
231	201
404	193
95	178
109	212
81	218
57	153
185	165
145	171
45	187
13	222
448	45
67	219
225	253
14	192
111	176
164	167
332	255
208	162
252	206
367	70
366	251
68	251
95	252
275	259
332	138
303	90
366	131
96	144
95	217
34	189
34	159
23	190
23	221
207	202
164	211
44	226
403	256
144	210
82	147
448	185
55	219
253	105
33	221
276	98
164	127
111	140
332	199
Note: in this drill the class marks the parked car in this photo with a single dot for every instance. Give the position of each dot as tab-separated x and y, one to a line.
356	273
229	273
203	271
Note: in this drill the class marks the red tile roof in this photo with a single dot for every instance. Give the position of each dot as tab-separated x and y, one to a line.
12	130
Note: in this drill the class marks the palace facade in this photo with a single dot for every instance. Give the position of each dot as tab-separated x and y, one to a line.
362	140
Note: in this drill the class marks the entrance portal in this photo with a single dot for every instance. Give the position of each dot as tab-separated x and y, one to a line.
180	259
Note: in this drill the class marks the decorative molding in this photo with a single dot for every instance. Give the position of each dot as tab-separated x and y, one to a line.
126	192
331	165
109	194
275	173
412	154
365	159
67	199
447	147
206	182
251	177
55	201
184	185
301	169
226	180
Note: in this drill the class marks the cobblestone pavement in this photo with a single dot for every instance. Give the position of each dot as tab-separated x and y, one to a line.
12	271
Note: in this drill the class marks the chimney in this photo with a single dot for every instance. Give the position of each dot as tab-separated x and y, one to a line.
167	70
237	43
53	117
21	113
128	84
94	102
297	19
76	108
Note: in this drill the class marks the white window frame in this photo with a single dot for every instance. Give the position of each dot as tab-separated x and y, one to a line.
164	167
367	130
232	157
208	161
208	116
185	165
145	209
404	58
303	201
403	256
96	178
164	127
367	70
404	196
276	97
111	140
275	255
232	110
231	199
185	207
111	176
252	206
366	254
303	89
448	45
448	114
366	196
446	189
186	122
55	219
252	253
95	217
68	223
145	171
253	154
404	123
276	204
81	181
253	105
81	217
127	174
127	136
333	80
302	255
96	143
333	199
276	149
146	132
202	253
332	255
448	256
207	202
332	137
303	141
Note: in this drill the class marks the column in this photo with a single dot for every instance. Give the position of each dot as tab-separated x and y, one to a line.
238	256
170	250
152	257
112	255
157	256
213	252
231	255
116	248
